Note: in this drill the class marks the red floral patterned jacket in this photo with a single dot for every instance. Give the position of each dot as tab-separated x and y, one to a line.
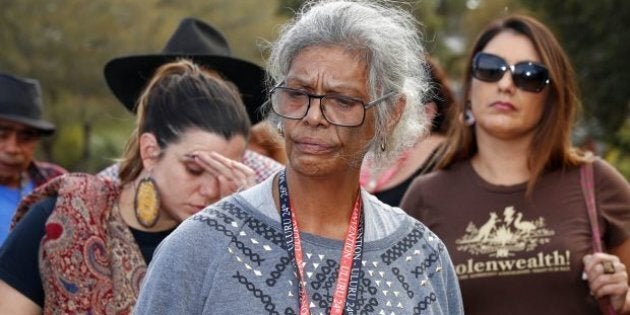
88	259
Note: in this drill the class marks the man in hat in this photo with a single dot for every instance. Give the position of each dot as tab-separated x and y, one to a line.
205	46
21	127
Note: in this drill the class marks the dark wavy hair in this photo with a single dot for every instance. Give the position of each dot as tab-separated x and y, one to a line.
441	95
182	96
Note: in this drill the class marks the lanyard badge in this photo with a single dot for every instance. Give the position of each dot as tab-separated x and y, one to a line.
345	295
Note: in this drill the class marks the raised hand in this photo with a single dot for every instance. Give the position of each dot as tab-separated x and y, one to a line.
231	175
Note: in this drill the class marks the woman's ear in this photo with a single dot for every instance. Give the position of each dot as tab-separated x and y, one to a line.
149	150
430	109
399	108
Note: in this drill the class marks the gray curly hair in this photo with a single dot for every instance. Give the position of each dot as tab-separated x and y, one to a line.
387	38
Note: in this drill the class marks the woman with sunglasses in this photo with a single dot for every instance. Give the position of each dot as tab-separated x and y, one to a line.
309	240
507	199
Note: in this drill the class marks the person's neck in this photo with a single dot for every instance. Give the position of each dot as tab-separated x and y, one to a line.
127	211
11	181
502	162
416	157
323	205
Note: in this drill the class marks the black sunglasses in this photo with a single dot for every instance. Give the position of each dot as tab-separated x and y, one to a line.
526	75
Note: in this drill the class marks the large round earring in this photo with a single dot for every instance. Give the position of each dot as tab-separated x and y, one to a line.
146	202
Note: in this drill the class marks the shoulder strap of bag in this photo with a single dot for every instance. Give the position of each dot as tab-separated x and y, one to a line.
588	189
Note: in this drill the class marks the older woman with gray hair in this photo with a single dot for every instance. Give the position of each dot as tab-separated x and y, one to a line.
345	79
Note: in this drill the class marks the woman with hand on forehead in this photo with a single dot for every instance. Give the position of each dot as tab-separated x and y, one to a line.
507	199
347	79
85	242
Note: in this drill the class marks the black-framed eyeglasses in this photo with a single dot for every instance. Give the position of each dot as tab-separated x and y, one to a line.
339	110
528	76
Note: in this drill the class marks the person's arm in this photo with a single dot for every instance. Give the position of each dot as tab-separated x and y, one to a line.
451	290
623	252
21	290
613	204
14	302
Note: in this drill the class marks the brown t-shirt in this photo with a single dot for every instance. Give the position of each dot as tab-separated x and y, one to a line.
515	255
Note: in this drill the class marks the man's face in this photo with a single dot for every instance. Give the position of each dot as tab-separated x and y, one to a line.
17	146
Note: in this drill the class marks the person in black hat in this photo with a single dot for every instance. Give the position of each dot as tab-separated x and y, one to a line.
21	127
204	45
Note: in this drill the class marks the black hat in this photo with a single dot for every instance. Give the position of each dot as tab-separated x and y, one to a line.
204	45
21	101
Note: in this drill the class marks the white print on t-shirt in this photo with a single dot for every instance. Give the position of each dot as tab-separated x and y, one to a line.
499	238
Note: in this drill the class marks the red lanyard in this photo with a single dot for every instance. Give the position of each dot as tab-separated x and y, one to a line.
349	263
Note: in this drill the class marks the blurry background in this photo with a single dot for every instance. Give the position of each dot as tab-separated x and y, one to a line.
66	43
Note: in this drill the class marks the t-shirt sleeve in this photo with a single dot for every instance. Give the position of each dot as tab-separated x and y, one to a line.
451	293
19	253
613	202
412	199
174	283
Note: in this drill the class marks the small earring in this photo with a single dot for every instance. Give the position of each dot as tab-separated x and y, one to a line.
280	129
146	202
469	117
383	148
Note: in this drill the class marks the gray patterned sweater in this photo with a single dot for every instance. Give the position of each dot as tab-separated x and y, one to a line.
230	259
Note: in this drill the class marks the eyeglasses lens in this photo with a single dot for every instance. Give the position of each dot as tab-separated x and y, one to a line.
337	109
289	103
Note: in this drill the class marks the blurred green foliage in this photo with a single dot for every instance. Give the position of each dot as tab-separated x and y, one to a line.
66	43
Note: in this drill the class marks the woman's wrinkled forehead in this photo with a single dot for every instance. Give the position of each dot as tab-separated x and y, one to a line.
329	67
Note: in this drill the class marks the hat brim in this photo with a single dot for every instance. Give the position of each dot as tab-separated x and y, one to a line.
45	127
128	76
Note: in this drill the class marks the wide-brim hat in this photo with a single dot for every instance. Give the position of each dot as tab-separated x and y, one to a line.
195	40
21	102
